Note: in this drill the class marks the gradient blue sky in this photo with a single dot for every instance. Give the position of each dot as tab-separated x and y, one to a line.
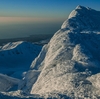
39	11
42	8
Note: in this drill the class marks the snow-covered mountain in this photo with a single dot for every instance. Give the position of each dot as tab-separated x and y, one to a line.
8	83
83	18
69	65
16	57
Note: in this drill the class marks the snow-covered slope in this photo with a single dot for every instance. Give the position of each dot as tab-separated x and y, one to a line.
8	83
16	57
83	18
71	61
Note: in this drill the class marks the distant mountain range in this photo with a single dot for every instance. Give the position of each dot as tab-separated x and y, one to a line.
31	38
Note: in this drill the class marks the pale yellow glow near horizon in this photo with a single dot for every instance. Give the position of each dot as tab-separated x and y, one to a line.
24	19
17	19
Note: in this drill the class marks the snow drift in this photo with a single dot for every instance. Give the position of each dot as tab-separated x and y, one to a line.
70	63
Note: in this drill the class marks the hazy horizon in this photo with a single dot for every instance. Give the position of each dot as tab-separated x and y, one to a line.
22	18
16	30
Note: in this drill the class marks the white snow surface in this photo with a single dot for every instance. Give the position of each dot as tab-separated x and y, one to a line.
82	18
68	67
8	83
16	57
71	61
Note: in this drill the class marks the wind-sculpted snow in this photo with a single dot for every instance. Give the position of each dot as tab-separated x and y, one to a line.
32	75
18	95
37	64
83	18
27	82
16	57
72	59
68	67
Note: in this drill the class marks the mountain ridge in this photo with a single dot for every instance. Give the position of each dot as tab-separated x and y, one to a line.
68	67
16	57
81	18
72	57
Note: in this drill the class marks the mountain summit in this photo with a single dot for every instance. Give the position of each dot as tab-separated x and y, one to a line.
69	65
83	18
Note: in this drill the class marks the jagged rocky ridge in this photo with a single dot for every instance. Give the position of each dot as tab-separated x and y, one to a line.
69	64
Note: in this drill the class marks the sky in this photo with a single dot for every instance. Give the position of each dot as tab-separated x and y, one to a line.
21	18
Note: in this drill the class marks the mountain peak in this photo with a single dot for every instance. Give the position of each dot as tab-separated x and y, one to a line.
66	64
80	7
82	18
84	8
